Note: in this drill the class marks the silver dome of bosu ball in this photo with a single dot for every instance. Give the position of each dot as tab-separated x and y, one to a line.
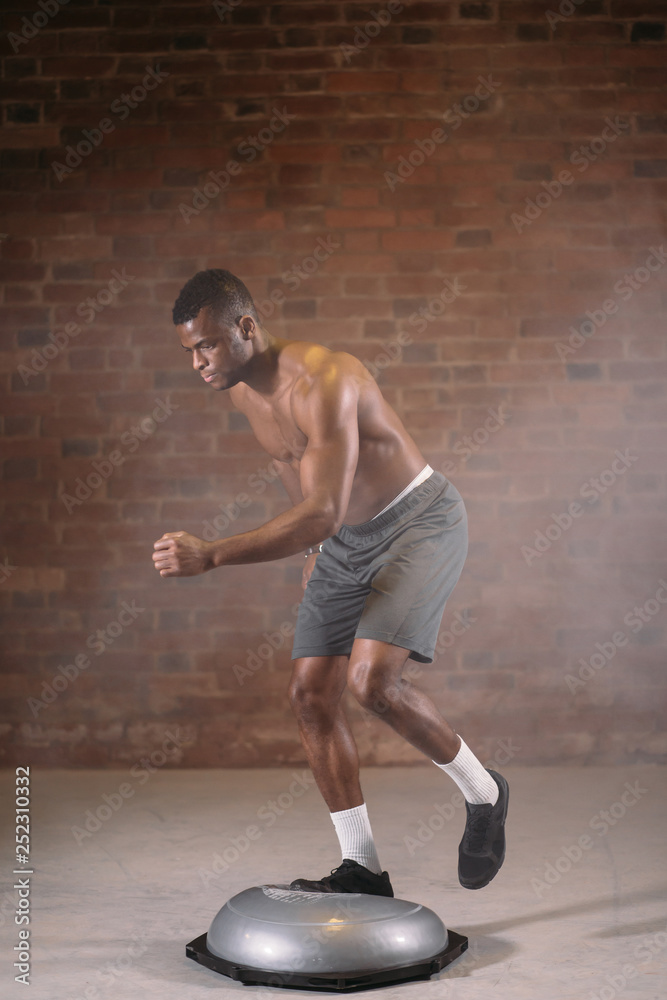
271	935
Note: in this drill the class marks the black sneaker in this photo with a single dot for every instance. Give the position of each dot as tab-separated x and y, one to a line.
350	876
482	850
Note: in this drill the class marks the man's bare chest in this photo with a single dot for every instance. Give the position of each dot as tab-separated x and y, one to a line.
275	429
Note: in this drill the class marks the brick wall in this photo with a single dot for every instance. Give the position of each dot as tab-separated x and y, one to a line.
467	196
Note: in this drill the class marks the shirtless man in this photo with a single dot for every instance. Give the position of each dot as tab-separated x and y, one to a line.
385	539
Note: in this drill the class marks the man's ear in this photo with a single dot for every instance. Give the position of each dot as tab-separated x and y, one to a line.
247	326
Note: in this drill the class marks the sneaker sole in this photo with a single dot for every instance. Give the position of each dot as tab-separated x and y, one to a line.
480	885
340	892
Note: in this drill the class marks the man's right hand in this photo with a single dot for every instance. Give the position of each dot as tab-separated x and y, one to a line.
308	569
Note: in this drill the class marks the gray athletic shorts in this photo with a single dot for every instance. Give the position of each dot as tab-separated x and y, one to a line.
388	578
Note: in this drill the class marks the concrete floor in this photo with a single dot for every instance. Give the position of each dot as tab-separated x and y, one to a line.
112	908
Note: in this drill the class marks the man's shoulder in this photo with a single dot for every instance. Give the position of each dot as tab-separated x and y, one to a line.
317	361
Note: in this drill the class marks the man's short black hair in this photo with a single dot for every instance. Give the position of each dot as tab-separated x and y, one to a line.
226	294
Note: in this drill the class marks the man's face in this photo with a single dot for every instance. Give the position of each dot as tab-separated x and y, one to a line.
219	352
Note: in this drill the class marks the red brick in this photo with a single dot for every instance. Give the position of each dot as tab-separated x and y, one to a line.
358	82
87	68
363	219
303	153
29	137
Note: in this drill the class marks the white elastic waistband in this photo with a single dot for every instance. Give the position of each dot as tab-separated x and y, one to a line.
424	474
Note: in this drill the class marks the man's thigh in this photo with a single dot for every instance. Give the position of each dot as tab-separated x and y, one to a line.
331	607
414	579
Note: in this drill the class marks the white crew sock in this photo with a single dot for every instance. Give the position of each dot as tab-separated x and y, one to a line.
356	837
471	776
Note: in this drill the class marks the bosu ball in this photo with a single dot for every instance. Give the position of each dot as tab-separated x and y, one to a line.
271	935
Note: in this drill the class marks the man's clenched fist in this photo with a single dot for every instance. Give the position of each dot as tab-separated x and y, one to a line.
178	553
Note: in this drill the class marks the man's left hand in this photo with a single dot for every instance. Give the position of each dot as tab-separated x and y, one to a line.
178	553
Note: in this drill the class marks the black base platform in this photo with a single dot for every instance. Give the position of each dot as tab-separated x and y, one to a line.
346	982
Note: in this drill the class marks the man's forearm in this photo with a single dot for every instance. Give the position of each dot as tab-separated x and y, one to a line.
293	531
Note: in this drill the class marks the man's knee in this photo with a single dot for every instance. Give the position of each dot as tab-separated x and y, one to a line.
371	687
311	694
300	693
